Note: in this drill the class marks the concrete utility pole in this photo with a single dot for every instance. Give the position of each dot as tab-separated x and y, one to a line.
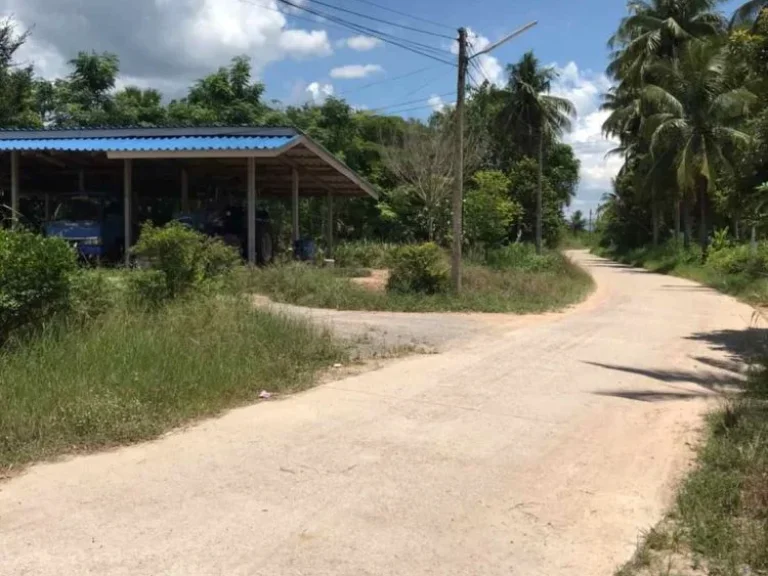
458	192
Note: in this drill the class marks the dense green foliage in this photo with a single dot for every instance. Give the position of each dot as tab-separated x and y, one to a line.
420	269
181	259
689	110
512	144
35	279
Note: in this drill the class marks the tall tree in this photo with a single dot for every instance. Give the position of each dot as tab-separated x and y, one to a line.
697	117
535	115
17	102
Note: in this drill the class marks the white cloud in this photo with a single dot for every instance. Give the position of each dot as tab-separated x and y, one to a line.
176	41
361	43
319	92
436	102
585	89
355	71
304	44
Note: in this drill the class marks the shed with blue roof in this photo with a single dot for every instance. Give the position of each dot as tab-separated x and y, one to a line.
255	161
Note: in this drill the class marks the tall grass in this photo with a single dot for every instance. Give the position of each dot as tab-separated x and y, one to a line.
129	375
503	289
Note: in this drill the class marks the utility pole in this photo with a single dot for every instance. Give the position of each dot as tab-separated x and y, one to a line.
458	192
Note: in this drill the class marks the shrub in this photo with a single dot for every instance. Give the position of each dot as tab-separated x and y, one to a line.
419	268
364	254
489	213
522	256
740	259
182	258
148	288
34	279
93	293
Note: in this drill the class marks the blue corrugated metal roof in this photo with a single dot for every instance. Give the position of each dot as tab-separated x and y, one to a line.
134	144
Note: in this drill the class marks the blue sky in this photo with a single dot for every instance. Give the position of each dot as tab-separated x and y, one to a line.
169	43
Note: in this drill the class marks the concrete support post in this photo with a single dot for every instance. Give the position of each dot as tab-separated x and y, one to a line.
47	206
127	196
252	211
295	205
329	250
14	188
184	191
81	181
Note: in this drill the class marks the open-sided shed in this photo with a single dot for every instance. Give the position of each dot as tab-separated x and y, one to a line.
273	162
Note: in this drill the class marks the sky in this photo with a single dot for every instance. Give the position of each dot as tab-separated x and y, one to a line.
168	44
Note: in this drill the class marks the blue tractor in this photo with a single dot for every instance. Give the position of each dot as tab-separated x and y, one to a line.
92	224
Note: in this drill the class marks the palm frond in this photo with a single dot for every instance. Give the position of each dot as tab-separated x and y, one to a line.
735	103
747	13
659	98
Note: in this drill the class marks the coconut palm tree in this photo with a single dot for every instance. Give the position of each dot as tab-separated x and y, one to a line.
656	29
696	118
535	116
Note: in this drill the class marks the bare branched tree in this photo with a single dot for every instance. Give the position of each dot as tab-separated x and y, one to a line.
422	159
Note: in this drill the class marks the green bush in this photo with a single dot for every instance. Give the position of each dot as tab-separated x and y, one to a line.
739	259
522	256
35	277
93	293
419	268
364	254
148	288
182	258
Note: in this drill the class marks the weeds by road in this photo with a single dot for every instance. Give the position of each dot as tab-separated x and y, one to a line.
499	289
131	375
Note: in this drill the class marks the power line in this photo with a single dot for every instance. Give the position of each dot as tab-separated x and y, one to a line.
384	81
423	107
409	102
411	16
389	38
480	70
339	23
380	20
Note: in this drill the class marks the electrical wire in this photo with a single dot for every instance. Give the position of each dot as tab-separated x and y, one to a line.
480	71
411	16
479	67
380	20
339	23
424	107
384	81
388	38
409	102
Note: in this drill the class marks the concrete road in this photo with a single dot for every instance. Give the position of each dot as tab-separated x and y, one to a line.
540	449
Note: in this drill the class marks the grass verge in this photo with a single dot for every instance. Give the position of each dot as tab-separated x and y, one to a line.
485	290
129	376
720	523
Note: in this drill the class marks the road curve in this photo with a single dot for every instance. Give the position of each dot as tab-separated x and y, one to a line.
541	449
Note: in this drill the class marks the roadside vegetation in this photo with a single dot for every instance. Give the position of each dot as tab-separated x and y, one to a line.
96	358
512	279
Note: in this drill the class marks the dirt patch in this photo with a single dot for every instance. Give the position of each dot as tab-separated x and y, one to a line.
376	282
